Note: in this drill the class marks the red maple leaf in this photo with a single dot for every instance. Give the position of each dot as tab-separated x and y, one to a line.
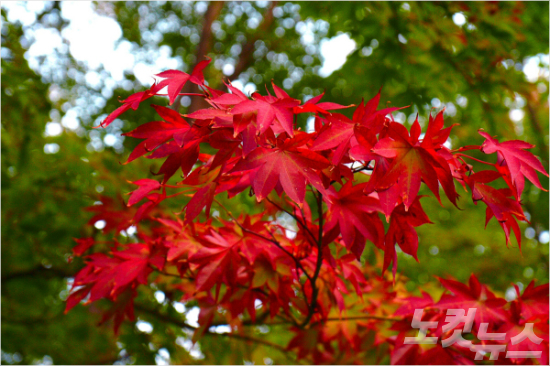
522	164
313	106
112	212
412	164
226	99
158	132
341	128
175	80
517	324
218	260
410	304
203	198
286	163
145	187
270	109
82	245
436	135
356	216
476	295
402	232
505	210
534	300
131	102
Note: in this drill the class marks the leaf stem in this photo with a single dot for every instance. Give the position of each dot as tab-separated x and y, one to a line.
479	161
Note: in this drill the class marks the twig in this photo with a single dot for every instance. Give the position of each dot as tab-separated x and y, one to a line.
212	13
245	58
343	319
182	324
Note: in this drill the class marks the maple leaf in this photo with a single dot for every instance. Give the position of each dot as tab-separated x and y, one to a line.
355	214
211	114
203	198
159	132
342	128
182	246
226	99
269	109
269	272
133	265
145	186
182	152
175	80
410	304
109	277
132	101
402	232
123	307
339	132
436	135
522	163
218	259
145	209
297	276
534	300
112	213
439	355
82	245
476	295
306	340
498	205
405	354
313	106
287	163
516	324
226	143
412	164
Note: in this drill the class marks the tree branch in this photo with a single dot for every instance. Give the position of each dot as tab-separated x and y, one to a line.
182	324
212	13
537	129
343	319
247	49
41	272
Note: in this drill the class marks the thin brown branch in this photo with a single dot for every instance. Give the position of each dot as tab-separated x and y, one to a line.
193	279
39	272
537	129
343	319
205	44
34	321
247	50
360	317
182	324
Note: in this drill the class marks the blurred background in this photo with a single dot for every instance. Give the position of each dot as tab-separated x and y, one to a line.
66	65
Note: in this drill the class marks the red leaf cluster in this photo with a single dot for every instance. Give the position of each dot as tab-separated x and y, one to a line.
335	184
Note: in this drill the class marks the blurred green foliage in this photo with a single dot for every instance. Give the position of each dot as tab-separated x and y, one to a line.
415	50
